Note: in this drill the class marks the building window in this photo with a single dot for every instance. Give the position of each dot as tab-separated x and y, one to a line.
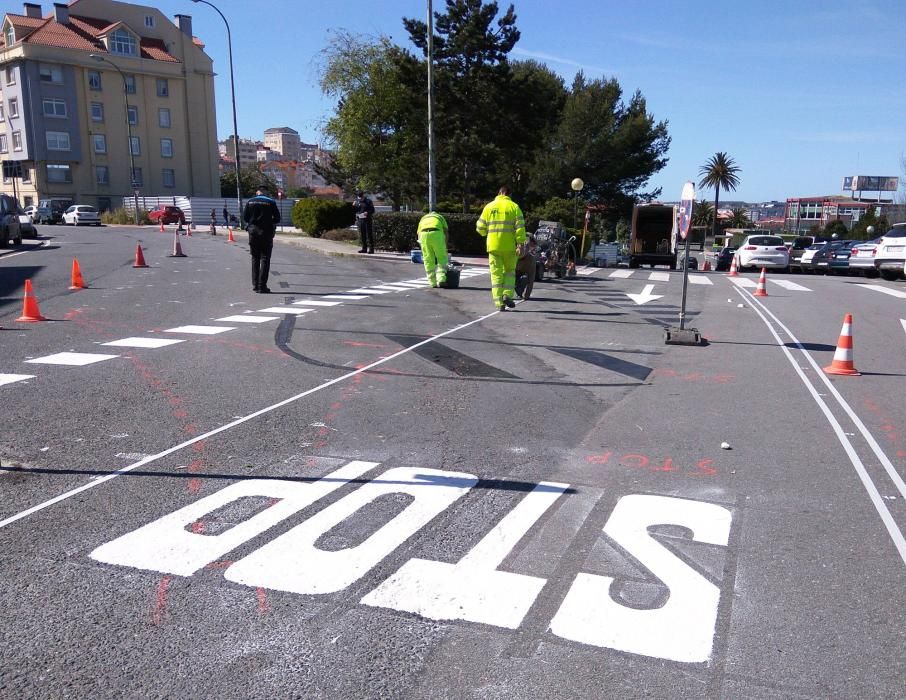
163	118
129	82
4	144
57	140
10	35
100	143
10	75
135	145
17	140
133	115
14	108
26	174
137	177
50	73
166	148
94	80
163	87
149	20
2	113
97	112
59	172
28	200
102	174
54	107
122	43
168	175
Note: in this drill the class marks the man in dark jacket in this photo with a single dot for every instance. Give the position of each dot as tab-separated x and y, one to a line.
261	216
364	213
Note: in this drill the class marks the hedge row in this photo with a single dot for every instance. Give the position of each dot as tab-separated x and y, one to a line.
315	216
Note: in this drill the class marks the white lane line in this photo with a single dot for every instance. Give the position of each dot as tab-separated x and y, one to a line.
143	342
232	424
659	277
346	297
200	330
700	279
11	378
284	310
792	286
390	288
247	318
622	274
410	285
892	529
744	282
369	290
884	290
317	302
72	359
903	321
588	270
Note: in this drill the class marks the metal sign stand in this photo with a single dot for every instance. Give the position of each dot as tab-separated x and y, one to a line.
683	335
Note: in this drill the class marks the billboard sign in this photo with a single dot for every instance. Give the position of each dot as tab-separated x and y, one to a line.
871	183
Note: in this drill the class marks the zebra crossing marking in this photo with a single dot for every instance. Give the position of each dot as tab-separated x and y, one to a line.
71	359
621	274
248	318
346	297
285	310
13	378
744	282
791	286
200	330
144	342
317	302
659	277
700	279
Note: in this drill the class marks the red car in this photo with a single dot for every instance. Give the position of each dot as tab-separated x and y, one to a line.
167	214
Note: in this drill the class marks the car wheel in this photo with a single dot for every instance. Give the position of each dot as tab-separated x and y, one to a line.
890	275
871	274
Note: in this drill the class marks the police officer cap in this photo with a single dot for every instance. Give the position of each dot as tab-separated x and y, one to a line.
359	193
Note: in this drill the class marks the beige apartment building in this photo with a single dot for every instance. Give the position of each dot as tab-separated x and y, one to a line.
94	87
284	141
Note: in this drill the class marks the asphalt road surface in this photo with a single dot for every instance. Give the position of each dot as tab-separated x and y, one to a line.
358	487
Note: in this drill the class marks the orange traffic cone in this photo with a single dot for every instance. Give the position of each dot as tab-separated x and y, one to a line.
177	248
30	310
733	271
760	289
843	355
230	238
139	257
77	281
706	266
162	229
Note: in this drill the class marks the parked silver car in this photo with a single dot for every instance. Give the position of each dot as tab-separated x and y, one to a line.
862	258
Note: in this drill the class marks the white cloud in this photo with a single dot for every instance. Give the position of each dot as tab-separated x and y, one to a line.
541	56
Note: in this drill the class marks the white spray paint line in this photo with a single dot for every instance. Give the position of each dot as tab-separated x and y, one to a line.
700	279
884	290
346	297
247	318
792	286
744	282
143	342
409	285
621	274
892	529
12	378
239	421
72	359
659	277
390	288
200	330
284	310
417	283
587	270
903	321
316	302
369	290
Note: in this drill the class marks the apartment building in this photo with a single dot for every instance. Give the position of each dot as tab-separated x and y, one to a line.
99	99
284	141
248	151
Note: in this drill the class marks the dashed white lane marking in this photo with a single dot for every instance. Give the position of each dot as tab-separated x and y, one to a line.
903	321
659	277
744	282
285	310
884	290
316	302
247	318
792	286
369	290
390	288
587	270
410	285
11	378
200	330
73	359
347	297
143	342
621	274
700	279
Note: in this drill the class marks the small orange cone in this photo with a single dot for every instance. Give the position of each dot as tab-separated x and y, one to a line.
139	257
706	266
30	310
230	238
843	355
162	229
733	271
77	281
760	289
177	248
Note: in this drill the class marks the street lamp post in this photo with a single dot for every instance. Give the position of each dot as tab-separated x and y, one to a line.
132	182
233	91
577	186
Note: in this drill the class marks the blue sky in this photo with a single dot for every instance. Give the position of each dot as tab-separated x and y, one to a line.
800	93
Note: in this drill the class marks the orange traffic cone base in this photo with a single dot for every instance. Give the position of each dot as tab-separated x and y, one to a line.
30	311
830	369
842	363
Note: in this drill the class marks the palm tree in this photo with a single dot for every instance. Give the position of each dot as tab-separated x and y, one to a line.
719	171
702	213
740	219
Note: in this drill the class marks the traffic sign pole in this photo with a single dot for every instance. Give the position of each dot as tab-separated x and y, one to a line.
682	336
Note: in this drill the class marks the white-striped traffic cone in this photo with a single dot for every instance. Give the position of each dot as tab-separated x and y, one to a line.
843	355
733	271
760	288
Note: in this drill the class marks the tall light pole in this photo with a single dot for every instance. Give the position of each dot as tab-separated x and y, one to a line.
432	184
233	91
577	186
132	181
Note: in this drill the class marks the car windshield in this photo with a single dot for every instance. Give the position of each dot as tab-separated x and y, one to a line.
896	232
766	240
86	209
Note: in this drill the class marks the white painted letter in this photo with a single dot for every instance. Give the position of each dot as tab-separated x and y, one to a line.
473	589
166	546
293	563
683	628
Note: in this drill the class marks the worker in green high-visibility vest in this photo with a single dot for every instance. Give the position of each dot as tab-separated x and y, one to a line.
432	238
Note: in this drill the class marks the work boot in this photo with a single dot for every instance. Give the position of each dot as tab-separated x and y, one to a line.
264	290
371	251
510	304
501	308
363	250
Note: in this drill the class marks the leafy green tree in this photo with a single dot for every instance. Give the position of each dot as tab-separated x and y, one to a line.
739	219
836	227
299	193
702	213
719	171
250	178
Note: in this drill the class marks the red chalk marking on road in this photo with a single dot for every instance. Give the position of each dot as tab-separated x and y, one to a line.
194	485
598	459
642	460
195	466
160	603
262	600
190	428
180	413
887	427
901	453
704	467
358	344
667	466
198	527
336	405
225	564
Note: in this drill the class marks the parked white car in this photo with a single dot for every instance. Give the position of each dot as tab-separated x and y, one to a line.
81	215
890	258
763	251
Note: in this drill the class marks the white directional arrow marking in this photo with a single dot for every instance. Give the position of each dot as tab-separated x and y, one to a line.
903	321
645	296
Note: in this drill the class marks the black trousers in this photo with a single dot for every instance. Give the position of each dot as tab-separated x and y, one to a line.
261	243
366	233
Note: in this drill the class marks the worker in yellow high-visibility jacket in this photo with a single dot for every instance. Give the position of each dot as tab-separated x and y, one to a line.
503	224
432	238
